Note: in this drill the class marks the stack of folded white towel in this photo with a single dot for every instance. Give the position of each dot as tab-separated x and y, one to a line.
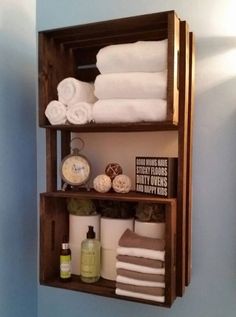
74	104
140	267
132	86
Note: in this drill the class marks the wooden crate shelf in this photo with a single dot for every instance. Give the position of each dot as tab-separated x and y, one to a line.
71	52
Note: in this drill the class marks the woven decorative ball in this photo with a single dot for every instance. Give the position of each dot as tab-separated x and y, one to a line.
113	169
121	184
102	183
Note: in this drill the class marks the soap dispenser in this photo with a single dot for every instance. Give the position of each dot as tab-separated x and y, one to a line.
90	258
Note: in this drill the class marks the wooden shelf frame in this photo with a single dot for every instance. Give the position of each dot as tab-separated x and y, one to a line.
62	51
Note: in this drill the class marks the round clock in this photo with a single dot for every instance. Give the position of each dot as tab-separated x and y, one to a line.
75	168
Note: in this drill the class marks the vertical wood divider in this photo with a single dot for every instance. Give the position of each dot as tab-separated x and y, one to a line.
189	161
51	160
182	158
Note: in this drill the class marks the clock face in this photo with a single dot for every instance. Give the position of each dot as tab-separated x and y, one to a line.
75	170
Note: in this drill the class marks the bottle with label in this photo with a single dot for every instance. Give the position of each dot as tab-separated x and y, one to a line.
90	258
65	262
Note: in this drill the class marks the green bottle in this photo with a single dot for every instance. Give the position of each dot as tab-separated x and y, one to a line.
90	258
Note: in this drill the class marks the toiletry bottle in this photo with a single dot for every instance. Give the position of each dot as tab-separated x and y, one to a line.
65	263
90	258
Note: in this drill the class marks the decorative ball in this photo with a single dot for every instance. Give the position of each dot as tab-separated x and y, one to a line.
113	169
102	183
121	184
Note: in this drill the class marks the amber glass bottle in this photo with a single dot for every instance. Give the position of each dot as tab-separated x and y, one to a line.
65	263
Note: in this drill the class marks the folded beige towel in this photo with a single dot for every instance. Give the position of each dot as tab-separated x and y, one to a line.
139	268
144	253
140	261
71	91
141	56
121	292
134	240
56	112
157	291
129	110
79	113
141	276
131	281
131	86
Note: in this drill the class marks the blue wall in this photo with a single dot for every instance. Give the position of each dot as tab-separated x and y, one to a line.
213	288
18	210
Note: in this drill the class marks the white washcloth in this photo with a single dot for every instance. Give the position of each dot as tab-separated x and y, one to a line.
139	268
71	91
129	110
141	56
131	85
132	281
80	113
154	298
56	112
144	253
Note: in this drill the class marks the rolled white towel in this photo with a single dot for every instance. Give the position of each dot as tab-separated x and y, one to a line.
71	90
133	281
135	85
154	298
56	112
145	253
79	113
141	56
129	110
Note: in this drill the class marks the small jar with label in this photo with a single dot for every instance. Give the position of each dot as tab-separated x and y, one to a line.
65	263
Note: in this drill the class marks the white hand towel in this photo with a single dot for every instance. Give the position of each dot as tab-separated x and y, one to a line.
145	253
141	56
154	298
80	113
71	91
56	112
132	281
139	268
129	110
131	85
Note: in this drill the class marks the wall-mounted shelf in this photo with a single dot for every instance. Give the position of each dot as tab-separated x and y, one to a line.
65	53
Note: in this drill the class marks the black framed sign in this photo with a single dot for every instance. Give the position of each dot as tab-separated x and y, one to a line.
156	176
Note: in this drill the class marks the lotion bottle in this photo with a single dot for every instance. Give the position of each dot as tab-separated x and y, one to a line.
65	263
90	258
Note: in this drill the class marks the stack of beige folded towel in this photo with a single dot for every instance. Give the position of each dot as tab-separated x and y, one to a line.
132	86
140	267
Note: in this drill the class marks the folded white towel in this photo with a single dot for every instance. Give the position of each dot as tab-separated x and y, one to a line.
139	268
71	90
132	281
80	113
154	298
141	56
129	110
131	85
139	252
56	112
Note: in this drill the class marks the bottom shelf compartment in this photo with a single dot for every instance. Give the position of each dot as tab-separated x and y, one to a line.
54	225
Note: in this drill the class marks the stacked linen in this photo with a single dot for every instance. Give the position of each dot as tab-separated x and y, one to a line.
140	267
132	86
74	104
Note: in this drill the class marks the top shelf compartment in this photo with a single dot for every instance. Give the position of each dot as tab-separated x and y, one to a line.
71	52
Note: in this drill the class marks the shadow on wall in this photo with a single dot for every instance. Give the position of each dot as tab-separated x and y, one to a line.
17	63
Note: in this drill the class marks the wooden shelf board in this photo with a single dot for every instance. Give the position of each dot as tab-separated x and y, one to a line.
92	194
103	288
116	127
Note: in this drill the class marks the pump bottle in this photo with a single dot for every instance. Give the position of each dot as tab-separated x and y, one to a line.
90	258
